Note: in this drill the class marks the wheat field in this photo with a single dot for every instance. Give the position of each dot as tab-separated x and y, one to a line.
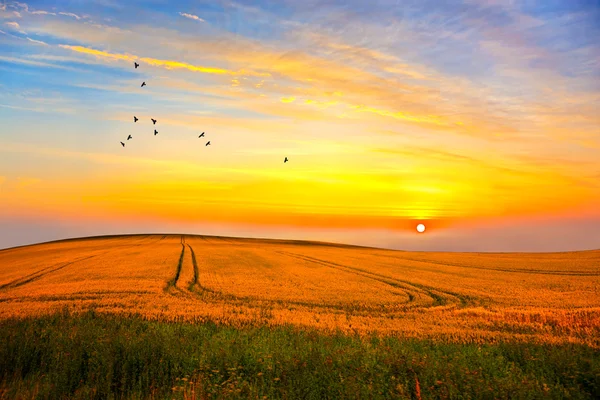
459	297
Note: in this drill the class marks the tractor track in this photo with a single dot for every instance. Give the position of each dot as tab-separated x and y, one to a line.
439	297
40	274
173	281
411	293
196	281
512	270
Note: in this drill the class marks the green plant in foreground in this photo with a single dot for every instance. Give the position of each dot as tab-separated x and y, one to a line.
96	356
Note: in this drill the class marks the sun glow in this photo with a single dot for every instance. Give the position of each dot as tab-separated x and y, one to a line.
420	228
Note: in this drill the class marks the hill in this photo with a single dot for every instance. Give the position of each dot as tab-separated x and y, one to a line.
461	297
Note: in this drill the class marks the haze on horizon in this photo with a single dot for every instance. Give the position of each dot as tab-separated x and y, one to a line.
480	119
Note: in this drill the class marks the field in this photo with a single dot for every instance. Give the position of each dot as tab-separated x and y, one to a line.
474	298
528	312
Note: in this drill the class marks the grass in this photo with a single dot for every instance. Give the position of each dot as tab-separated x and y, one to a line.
94	355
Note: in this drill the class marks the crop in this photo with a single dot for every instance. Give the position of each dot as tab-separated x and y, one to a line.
549	298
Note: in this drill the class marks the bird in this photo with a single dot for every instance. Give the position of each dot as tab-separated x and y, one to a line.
286	160
155	132
207	143
153	121
143	84
129	137
122	144
136	64
135	119
201	135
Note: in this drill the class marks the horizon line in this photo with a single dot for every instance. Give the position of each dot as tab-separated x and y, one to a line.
291	241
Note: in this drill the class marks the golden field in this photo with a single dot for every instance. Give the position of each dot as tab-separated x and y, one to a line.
461	297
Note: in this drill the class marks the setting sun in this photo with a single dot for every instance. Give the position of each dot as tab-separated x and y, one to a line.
420	228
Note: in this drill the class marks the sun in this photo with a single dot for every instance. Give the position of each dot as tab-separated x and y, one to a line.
420	228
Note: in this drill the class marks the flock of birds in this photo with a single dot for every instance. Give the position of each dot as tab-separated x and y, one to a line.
136	119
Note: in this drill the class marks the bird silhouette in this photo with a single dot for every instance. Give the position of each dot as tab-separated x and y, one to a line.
136	64
153	121
207	143
286	160
129	137
135	119
201	135
155	132
122	144
143	84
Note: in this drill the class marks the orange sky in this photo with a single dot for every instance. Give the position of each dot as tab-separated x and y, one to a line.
386	122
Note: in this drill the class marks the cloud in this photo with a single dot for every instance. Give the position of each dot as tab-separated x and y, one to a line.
287	99
321	104
191	16
42	12
430	119
18	60
168	64
381	84
14	25
68	14
37	41
306	70
9	34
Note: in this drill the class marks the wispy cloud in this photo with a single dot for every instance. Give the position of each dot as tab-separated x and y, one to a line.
41	12
37	41
72	15
192	16
168	64
15	26
9	34
25	61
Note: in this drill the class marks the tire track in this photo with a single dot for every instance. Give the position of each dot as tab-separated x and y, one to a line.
245	300
196	281
173	281
412	292
40	274
252	301
439	297
541	272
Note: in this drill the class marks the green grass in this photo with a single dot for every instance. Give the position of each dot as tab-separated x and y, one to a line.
99	356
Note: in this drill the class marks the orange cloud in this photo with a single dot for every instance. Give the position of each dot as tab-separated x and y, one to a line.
429	119
168	64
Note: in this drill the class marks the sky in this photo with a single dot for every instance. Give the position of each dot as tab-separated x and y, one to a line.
479	119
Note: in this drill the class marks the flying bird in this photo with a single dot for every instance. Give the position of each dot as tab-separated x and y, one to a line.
286	160
129	137
143	84
207	143
201	135
135	119
122	144
153	121
136	64
155	132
